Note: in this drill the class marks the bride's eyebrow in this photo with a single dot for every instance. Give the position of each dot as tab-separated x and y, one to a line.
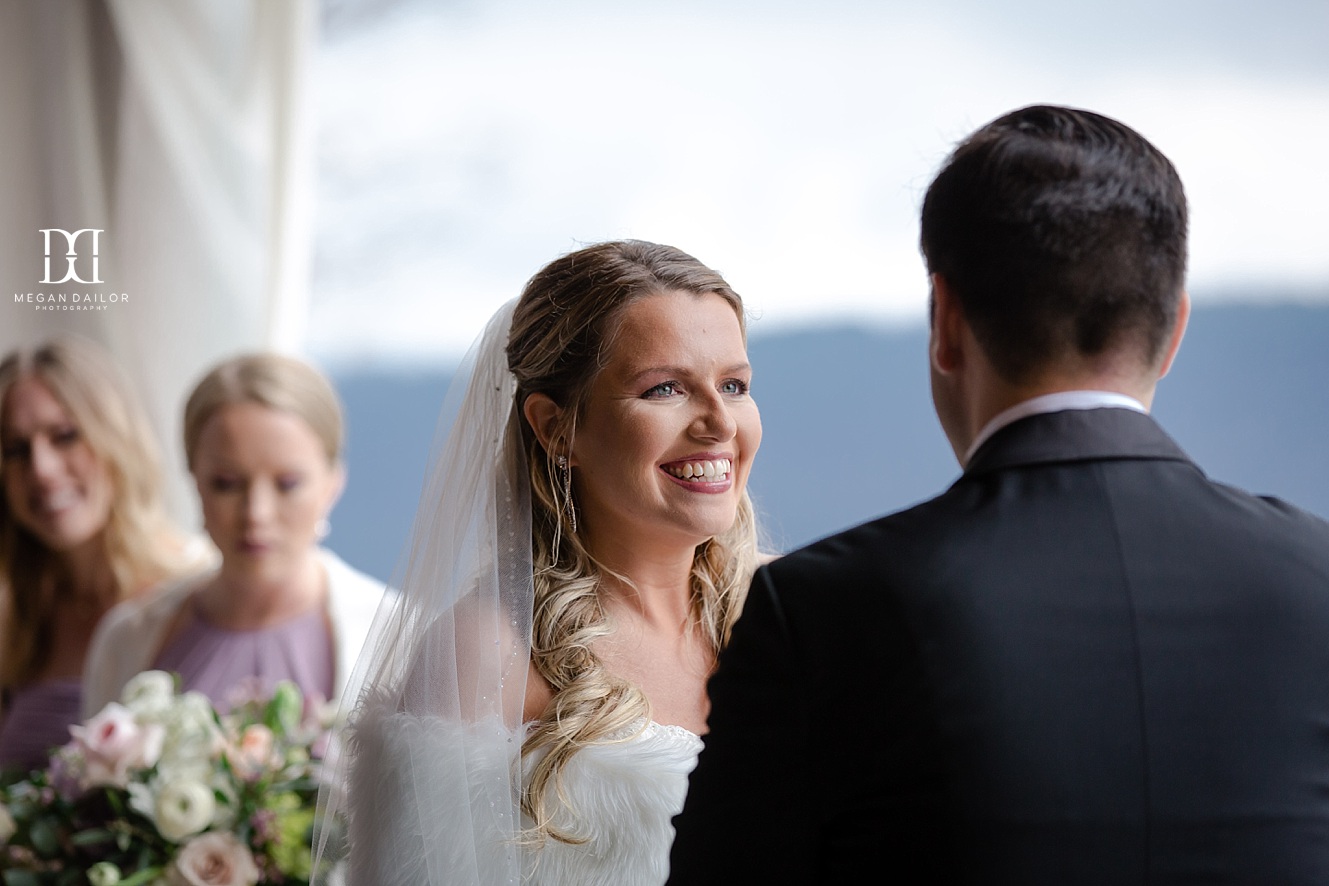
641	374
678	371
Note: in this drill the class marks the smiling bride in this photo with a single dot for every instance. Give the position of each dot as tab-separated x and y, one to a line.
533	700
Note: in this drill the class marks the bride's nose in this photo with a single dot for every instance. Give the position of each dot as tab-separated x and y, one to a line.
714	421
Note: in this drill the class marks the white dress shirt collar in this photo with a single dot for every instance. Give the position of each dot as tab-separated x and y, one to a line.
1061	400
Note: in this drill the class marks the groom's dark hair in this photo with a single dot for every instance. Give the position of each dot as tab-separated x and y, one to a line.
1062	234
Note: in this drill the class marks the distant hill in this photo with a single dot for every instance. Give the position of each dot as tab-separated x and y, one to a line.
849	431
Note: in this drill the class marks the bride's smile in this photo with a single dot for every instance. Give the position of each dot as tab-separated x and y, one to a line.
706	473
666	437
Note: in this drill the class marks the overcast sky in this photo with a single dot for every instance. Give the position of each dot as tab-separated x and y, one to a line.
463	145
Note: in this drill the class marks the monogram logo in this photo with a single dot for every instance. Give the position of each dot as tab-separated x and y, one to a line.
71	254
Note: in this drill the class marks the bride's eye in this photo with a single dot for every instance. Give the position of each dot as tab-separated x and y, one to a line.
661	391
734	386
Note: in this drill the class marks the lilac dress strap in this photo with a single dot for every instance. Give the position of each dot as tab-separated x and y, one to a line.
37	718
229	666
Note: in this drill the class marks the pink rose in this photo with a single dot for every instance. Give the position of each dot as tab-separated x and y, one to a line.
253	754
114	743
216	858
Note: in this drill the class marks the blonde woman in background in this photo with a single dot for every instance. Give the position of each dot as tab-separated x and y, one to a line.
263	439
533	706
82	528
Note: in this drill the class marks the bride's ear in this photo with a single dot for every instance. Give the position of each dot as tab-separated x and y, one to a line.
543	415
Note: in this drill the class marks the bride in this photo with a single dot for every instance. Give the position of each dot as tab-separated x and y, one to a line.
533	699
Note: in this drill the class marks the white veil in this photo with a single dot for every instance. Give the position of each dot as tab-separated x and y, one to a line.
426	788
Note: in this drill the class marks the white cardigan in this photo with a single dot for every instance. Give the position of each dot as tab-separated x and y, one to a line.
130	636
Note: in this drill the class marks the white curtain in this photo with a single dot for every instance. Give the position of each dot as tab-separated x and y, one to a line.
182	130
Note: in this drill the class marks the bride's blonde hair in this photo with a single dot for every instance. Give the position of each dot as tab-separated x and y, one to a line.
562	332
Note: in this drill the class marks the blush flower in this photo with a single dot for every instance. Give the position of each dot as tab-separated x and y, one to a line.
254	752
114	743
216	858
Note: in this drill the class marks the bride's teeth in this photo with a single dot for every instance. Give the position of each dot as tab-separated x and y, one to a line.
703	470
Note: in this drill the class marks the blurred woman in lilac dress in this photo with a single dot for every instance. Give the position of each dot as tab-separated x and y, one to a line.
263	438
82	527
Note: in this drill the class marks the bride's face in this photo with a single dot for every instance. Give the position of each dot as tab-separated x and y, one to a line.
668	431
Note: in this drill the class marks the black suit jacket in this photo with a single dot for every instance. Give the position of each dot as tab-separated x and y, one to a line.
1083	663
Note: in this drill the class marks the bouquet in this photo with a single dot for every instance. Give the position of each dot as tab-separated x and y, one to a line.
161	790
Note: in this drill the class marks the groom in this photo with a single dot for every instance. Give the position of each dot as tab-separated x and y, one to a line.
1085	662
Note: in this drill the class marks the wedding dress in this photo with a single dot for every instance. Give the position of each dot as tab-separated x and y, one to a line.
429	784
619	797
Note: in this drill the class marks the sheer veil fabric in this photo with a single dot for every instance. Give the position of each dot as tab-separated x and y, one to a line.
437	720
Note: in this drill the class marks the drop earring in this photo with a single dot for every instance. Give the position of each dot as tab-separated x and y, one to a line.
566	471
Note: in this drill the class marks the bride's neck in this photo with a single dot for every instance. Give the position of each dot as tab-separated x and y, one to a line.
656	593
658	573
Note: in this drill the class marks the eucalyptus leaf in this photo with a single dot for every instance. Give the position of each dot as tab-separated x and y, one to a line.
147	875
45	837
21	878
92	837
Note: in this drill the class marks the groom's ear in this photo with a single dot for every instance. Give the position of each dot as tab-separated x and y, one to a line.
946	342
543	415
1178	331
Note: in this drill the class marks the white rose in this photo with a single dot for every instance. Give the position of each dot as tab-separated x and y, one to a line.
113	743
216	858
183	808
143	800
172	769
149	694
7	825
194	709
193	737
223	790
103	873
